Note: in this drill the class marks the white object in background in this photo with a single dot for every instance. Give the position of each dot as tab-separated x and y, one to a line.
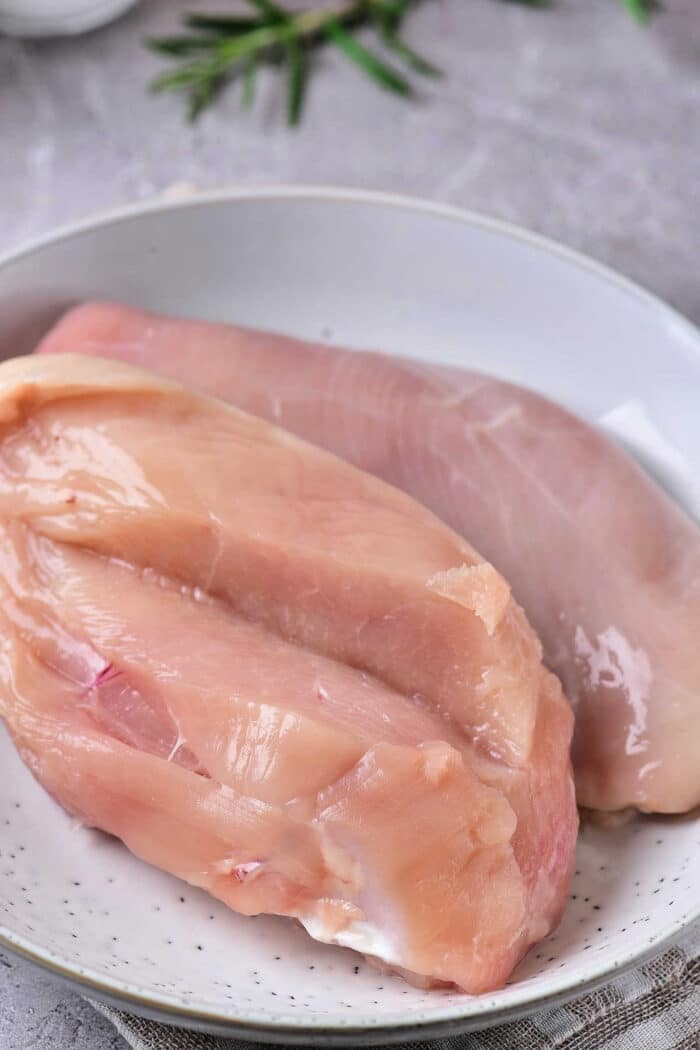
57	17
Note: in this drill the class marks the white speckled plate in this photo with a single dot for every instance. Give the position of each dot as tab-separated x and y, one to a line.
367	271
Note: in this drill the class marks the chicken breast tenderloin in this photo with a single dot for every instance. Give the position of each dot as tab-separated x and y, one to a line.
606	566
275	676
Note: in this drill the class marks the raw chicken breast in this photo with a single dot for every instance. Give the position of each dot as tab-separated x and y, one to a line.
605	564
275	676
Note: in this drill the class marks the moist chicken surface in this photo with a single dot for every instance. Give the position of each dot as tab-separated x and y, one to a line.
275	676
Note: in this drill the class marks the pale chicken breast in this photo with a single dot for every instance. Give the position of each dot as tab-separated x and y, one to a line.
275	676
606	566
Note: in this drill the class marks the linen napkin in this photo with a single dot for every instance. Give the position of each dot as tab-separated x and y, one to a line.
655	1007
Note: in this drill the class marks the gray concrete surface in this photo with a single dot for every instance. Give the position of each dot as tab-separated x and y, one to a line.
37	1013
574	122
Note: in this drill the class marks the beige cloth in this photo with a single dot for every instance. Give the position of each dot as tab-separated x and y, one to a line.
655	1007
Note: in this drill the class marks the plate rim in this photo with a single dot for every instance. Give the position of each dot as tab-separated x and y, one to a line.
305	1034
104	218
453	1022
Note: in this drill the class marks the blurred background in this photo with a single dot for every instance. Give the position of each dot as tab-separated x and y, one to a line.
573	120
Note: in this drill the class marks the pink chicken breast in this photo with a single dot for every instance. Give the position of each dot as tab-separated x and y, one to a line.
276	676
606	566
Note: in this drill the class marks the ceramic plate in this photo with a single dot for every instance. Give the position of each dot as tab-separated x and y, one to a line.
366	271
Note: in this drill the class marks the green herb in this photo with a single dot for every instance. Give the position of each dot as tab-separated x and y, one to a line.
217	48
640	9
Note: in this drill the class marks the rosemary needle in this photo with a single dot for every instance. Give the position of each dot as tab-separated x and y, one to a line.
366	59
297	81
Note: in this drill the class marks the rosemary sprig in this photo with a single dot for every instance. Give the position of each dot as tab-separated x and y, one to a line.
217	48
